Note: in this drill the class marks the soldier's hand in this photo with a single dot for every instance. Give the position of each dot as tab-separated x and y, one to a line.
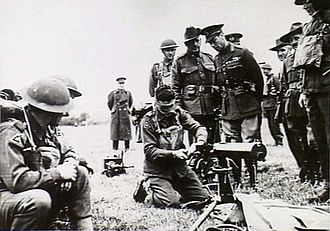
68	171
302	100
192	147
180	154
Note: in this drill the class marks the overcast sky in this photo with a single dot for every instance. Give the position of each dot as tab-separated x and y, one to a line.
96	41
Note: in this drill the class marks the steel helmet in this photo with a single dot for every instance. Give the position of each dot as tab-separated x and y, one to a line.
168	43
71	85
49	95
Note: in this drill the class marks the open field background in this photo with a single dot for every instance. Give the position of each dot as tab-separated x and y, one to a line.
113	204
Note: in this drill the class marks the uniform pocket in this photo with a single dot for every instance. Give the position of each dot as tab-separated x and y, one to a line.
247	102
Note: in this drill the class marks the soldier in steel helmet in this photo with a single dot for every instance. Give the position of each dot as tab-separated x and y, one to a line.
31	191
161	72
193	83
169	181
12	109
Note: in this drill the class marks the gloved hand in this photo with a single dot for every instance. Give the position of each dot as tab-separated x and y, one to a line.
68	171
180	154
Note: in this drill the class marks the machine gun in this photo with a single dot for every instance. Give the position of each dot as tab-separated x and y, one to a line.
213	165
207	159
114	165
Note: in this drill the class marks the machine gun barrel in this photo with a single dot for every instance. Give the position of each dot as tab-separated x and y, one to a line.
255	151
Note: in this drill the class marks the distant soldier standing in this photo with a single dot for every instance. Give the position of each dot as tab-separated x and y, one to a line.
161	73
120	102
193	82
269	102
316	80
241	82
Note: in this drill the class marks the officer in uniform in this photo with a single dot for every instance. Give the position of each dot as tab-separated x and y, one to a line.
282	49
161	73
241	82
234	38
32	192
316	82
169	181
295	117
120	102
269	102
193	83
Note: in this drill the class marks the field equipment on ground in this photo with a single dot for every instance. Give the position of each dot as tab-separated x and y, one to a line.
213	164
114	165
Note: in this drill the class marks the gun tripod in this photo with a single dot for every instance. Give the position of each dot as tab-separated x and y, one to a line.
224	194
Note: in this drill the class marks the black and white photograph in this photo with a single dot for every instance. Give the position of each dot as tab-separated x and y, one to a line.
164	115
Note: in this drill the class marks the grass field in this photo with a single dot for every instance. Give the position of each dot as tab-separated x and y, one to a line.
113	204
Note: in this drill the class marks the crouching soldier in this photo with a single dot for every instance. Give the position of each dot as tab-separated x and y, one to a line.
36	179
169	182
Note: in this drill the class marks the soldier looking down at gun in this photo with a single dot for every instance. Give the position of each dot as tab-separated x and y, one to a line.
169	181
161	73
32	186
239	77
193	83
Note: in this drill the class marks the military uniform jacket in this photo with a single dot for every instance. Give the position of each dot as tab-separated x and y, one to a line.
21	167
193	83
271	93
119	102
160	161
290	81
314	81
240	77
161	73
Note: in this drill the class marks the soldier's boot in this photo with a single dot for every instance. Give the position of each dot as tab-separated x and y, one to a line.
85	224
140	193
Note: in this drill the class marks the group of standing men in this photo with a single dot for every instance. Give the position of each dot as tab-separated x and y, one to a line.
304	94
228	87
231	87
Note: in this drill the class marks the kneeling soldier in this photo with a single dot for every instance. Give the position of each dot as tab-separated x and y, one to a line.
36	178
169	181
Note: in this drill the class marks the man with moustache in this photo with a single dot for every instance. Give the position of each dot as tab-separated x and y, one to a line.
161	73
316	80
193	82
240	79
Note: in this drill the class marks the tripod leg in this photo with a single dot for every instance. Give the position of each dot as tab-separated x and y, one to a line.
204	215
